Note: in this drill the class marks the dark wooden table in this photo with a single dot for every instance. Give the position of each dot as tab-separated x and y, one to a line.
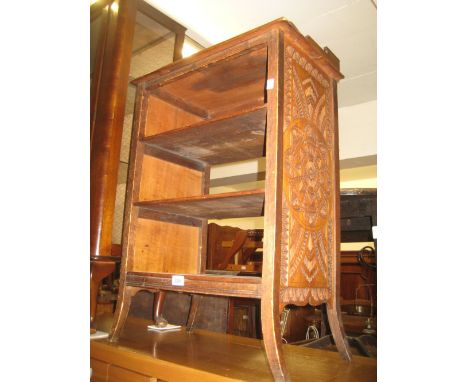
206	356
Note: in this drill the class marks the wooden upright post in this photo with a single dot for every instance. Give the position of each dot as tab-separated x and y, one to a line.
108	95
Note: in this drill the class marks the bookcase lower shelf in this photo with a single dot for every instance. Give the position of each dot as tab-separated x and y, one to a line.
233	286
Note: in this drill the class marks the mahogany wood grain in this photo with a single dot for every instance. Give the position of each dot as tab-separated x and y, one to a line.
108	94
107	125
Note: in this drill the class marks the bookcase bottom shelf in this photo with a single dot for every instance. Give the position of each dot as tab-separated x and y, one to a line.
220	285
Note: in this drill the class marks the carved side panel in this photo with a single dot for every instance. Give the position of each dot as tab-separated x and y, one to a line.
308	182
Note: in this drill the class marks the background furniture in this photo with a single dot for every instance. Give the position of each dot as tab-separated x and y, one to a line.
358	214
225	242
359	270
269	92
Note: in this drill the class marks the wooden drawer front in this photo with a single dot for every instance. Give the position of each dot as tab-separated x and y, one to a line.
118	374
99	371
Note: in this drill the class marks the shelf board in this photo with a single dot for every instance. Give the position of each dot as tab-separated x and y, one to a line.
218	206
219	285
231	138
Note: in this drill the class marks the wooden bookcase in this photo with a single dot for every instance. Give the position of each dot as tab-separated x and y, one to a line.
269	92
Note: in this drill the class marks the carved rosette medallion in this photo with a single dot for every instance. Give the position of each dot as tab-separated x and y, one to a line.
308	192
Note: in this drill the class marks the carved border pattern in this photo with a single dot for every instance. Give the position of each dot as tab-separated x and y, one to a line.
307	213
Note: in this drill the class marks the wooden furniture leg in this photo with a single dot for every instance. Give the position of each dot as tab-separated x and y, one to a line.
272	339
339	335
159	298
121	311
324	326
194	304
99	270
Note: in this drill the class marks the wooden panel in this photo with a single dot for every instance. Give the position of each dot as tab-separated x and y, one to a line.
108	93
357	280
163	116
229	84
244	317
165	247
236	286
217	206
308	181
100	370
161	179
229	139
358	214
118	374
216	252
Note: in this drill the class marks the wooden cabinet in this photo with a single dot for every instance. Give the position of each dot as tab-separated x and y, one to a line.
270	92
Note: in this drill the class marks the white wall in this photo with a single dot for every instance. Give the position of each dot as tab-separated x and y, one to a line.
358	130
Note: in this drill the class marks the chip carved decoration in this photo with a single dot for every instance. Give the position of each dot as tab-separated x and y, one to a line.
308	191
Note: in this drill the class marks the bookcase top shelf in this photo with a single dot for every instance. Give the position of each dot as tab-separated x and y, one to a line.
231	138
230	83
324	58
219	206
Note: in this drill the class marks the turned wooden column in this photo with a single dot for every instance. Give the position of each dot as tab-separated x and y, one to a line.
108	95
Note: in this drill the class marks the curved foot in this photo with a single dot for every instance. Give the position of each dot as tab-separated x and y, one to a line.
272	340
121	312
336	326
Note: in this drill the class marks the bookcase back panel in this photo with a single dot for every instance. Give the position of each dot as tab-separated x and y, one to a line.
165	180
163	116
165	247
308	182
